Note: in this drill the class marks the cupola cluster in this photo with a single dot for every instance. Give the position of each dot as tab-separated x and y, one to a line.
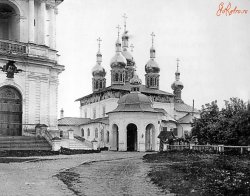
123	68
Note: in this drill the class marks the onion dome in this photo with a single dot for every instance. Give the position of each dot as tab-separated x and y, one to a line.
152	65
98	70
118	60
135	80
125	52
177	84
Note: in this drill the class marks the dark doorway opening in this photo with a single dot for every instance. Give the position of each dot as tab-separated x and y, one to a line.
131	137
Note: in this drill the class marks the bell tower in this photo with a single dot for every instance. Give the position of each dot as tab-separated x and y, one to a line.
29	60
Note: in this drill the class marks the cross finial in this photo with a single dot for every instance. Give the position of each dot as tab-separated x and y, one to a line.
178	60
132	47
153	35
125	20
99	42
118	28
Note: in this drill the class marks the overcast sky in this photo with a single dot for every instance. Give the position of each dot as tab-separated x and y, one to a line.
214	51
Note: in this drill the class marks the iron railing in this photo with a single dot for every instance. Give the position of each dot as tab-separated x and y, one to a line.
13	47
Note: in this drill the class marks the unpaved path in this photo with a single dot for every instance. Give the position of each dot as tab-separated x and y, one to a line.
38	178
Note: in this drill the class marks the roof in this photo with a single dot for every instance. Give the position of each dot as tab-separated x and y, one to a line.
167	116
104	120
127	87
134	102
187	119
73	121
164	135
182	107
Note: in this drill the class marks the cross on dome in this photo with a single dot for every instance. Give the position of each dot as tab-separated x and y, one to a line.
125	20
153	35
132	47
99	42
177	60
118	28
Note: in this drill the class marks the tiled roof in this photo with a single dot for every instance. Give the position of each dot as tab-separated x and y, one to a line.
127	87
182	107
167	116
72	121
104	120
187	119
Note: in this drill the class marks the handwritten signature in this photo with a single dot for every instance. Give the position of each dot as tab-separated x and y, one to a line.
229	10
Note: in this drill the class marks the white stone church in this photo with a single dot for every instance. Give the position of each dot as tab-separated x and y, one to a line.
129	115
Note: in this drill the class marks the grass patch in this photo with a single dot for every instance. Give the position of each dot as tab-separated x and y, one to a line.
196	173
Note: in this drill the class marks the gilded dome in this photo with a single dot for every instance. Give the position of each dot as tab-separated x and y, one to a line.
98	70
177	84
118	60
152	66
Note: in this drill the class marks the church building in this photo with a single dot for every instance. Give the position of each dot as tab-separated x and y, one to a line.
29	66
129	115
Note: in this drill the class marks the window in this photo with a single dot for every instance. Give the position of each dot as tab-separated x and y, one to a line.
100	85
107	136
116	77
102	135
96	133
61	133
151	81
88	132
82	130
96	84
121	79
85	114
103	110
94	113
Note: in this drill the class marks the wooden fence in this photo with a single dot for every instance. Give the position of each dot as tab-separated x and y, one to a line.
210	148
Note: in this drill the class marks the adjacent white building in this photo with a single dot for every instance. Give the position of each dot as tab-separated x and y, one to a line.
29	65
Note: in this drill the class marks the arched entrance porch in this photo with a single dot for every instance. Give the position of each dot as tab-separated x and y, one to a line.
150	138
115	137
10	111
131	137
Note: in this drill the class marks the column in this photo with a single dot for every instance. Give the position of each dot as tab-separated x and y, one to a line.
42	22
31	21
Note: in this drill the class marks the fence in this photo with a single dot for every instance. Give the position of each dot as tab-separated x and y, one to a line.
210	148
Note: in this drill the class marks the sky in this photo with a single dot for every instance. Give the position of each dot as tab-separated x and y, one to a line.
214	51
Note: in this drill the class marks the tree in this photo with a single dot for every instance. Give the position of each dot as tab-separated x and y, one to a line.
229	126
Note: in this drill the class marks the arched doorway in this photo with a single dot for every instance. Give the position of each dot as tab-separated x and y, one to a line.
150	138
10	111
131	137
115	137
9	22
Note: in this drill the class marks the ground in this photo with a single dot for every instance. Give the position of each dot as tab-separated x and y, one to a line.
104	173
197	173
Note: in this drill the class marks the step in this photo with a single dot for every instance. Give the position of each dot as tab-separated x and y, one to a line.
38	148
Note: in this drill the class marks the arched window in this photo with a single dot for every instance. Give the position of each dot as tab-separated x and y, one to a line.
121	79
116	77
107	136
96	133
88	132
151	81
96	84
82	130
100	85
61	133
102	135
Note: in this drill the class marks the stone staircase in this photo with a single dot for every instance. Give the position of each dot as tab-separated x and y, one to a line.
23	143
76	144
